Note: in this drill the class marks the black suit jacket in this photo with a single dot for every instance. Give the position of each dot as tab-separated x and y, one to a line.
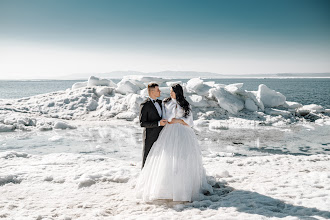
149	118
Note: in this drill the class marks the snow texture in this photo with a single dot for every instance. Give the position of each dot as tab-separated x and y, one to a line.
73	186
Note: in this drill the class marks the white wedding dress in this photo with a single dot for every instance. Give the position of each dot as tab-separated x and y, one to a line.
173	169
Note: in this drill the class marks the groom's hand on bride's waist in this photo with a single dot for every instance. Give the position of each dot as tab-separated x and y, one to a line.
163	122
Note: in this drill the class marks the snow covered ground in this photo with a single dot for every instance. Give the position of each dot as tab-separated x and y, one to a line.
75	186
76	154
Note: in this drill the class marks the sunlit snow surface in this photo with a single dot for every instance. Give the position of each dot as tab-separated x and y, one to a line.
90	173
262	165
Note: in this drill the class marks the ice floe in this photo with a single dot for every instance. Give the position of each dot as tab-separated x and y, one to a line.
102	99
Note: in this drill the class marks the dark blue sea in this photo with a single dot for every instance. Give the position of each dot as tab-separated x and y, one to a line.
303	90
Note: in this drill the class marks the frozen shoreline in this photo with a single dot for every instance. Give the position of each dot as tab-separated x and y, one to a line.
117	137
216	106
76	154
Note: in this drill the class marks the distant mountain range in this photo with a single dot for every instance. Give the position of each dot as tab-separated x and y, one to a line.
163	74
283	75
192	74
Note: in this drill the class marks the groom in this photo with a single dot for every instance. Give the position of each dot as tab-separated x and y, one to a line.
151	119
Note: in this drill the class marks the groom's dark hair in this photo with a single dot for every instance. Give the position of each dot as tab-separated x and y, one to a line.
152	86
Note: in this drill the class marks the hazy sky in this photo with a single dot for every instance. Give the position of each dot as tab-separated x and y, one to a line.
52	38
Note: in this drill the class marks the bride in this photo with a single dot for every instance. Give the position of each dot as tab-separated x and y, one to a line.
173	169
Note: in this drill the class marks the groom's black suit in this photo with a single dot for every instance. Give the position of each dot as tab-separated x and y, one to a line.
149	118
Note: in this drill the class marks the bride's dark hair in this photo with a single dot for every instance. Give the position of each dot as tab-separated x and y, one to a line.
177	89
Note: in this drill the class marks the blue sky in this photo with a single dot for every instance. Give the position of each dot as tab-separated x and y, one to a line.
229	37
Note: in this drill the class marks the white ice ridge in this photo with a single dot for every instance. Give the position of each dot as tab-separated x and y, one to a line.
102	99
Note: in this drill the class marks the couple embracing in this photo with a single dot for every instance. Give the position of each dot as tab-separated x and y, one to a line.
172	166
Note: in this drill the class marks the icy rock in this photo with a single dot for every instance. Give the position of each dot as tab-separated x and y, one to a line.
12	154
250	105
312	107
252	95
227	100
22	127
272	111
234	88
209	114
197	101
201	123
133	102
169	84
92	105
66	101
107	91
94	81
218	85
270	98
197	85
319	121
212	103
306	109
50	104
145	79
134	81
210	83
129	116
63	125
292	105
194	84
125	86
260	104
312	117
104	100
78	85
6	128
218	125
82	100
25	121
10	121
48	178
22	121
45	127
86	183
5	179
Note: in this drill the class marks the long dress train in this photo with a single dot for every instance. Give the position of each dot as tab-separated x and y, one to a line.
173	169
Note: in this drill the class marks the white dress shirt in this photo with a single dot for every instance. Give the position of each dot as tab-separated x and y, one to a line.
159	109
156	104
